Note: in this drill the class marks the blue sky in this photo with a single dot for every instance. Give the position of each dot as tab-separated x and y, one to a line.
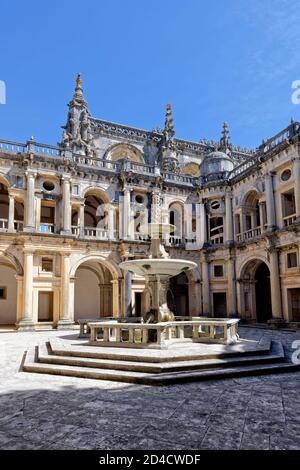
213	60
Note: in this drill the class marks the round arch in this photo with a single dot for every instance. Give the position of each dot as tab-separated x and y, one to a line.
126	151
176	217
96	191
4	180
251	196
9	269
255	290
251	261
109	264
13	261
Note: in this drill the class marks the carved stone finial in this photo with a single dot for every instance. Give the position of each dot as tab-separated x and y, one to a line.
225	145
77	135
78	81
169	130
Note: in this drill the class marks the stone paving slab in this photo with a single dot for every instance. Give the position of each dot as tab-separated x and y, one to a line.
51	412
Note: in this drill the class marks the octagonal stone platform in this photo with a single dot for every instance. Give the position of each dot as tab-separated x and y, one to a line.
181	363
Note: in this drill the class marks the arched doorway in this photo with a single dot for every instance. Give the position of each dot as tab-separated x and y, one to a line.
178	296
256	291
8	293
93	291
263	294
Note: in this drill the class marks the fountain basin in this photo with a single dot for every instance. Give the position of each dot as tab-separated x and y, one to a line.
165	268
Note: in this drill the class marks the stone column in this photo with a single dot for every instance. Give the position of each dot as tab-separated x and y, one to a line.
30	203
65	318
111	223
66	206
243	222
188	218
27	322
296	172
11	213
128	294
81	220
194	293
270	202
231	301
261	216
127	216
229	217
275	286
205	289
203	222
115	298
198	226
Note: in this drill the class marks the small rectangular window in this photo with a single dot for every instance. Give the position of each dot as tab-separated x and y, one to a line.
47	265
75	189
292	260
19	181
3	293
218	270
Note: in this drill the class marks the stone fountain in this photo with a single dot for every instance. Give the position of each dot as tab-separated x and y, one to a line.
159	328
158	268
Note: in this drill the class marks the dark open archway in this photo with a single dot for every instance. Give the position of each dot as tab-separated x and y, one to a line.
256	291
263	294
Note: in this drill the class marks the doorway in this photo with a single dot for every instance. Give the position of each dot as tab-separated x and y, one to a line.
220	304
45	306
263	294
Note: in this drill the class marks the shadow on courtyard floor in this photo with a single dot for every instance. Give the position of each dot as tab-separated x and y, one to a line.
250	413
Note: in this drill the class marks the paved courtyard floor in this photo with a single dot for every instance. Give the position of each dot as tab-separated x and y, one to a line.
52	412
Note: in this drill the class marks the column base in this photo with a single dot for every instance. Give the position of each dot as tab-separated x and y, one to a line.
65	232
29	229
277	322
270	228
65	325
25	325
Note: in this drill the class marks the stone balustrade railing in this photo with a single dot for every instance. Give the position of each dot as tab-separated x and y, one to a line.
289	220
249	234
160	335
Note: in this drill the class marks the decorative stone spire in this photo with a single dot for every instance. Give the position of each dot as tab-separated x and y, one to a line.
169	130
168	152
225	145
77	135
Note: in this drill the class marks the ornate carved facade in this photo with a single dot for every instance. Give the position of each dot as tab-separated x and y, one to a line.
69	214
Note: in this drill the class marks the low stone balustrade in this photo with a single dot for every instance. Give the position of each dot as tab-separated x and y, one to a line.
161	335
84	329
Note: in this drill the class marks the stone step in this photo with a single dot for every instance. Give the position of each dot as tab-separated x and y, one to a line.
31	364
139	355
218	374
163	367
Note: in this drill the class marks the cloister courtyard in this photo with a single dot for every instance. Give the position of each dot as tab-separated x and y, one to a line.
39	411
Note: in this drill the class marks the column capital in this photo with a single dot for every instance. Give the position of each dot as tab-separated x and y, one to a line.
65	179
29	251
30	174
228	192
